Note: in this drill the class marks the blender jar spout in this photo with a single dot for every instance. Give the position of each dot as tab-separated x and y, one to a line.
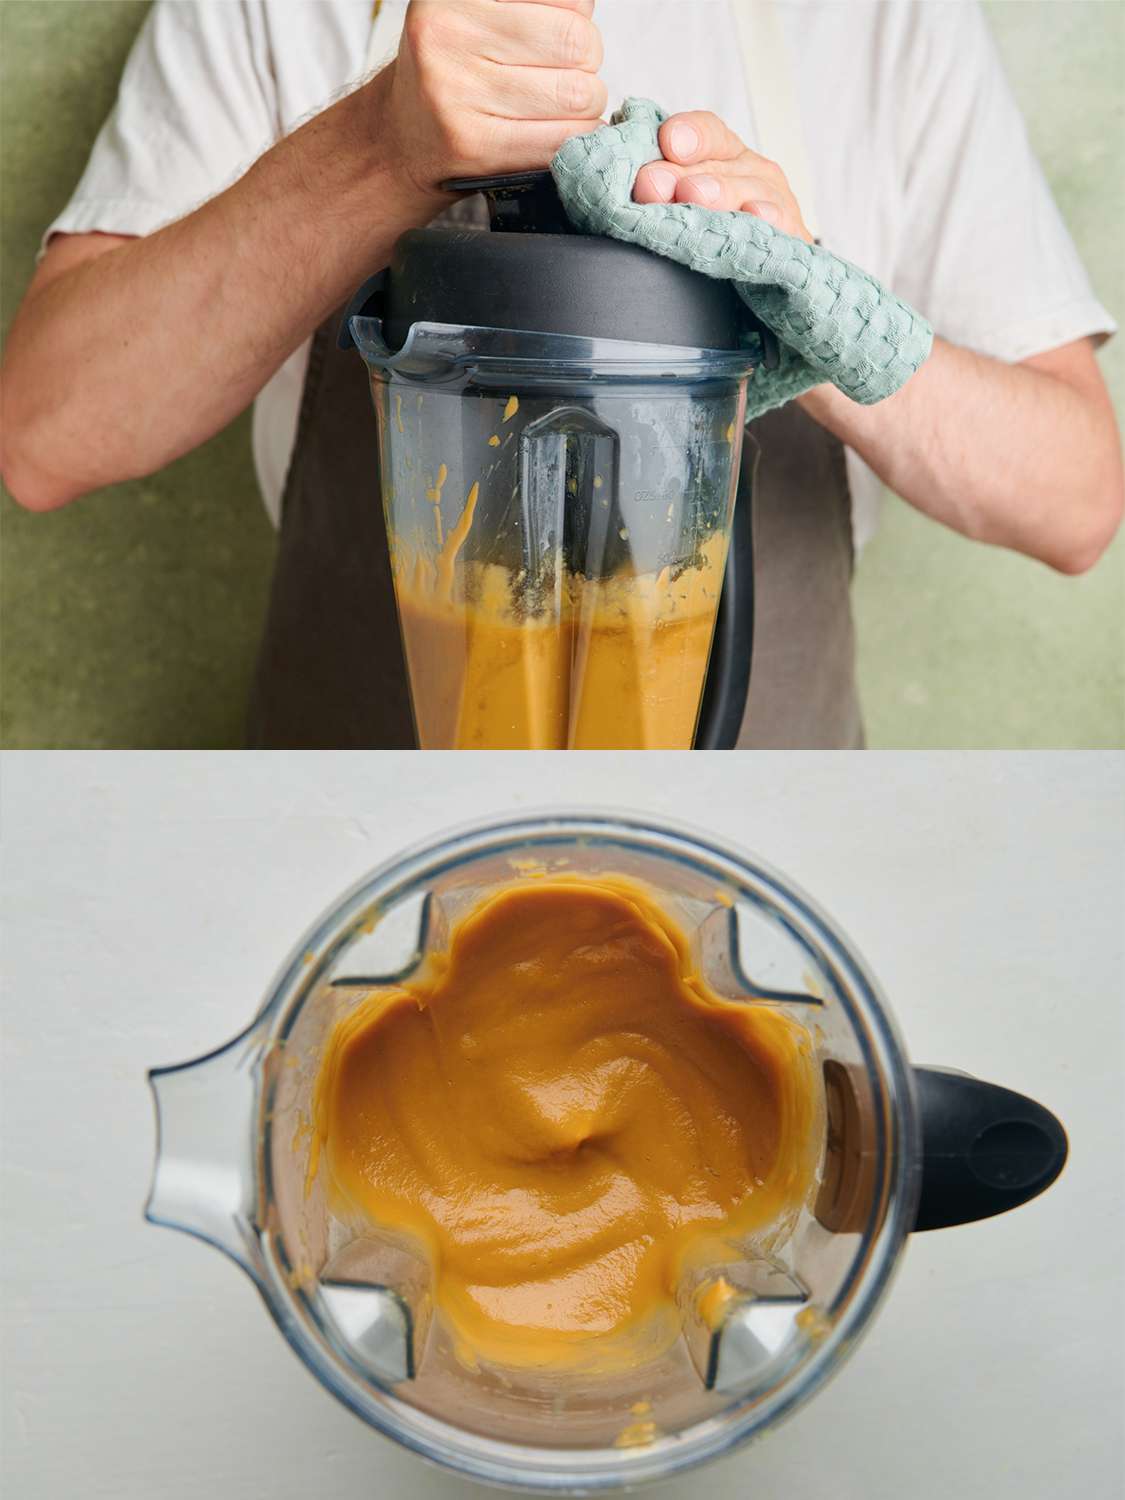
204	1180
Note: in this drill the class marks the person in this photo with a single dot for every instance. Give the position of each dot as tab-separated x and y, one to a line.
254	171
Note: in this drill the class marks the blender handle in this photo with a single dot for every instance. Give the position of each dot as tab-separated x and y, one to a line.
728	673
985	1149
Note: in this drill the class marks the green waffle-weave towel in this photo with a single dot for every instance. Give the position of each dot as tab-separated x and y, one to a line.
833	321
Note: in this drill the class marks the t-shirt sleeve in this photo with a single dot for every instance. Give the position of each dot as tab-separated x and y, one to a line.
195	107
984	253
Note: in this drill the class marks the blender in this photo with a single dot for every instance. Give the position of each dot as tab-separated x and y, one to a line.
900	1149
560	422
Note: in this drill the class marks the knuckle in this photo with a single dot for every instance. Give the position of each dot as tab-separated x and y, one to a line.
595	49
420	25
434	31
710	127
576	40
575	94
429	43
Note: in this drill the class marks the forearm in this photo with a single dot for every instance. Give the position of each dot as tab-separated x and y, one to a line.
1007	454
132	358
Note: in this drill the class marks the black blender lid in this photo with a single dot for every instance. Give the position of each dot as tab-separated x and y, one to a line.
534	272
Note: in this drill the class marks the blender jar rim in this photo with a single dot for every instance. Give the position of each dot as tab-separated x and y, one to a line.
490	1459
430	348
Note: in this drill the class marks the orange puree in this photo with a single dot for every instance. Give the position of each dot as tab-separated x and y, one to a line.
615	663
565	1120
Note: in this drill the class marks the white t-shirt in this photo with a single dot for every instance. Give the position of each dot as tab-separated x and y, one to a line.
919	160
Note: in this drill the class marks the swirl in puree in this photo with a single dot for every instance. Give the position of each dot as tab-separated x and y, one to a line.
564	1117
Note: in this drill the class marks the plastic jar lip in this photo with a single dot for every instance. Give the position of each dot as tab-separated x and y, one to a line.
602	1469
431	349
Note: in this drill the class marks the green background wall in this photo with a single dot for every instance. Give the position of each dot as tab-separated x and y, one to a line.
130	619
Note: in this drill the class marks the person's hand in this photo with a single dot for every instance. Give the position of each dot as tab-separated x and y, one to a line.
481	87
704	162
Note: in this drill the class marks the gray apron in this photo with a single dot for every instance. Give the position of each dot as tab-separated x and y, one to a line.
331	673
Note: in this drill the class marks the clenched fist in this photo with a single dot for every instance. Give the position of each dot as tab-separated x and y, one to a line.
489	86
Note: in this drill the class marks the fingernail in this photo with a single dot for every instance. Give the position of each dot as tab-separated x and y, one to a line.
684	140
662	182
708	188
768	211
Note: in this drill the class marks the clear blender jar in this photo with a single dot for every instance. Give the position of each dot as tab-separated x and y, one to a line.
560	425
899	1149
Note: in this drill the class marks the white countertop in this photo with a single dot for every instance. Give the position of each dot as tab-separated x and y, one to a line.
147	900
